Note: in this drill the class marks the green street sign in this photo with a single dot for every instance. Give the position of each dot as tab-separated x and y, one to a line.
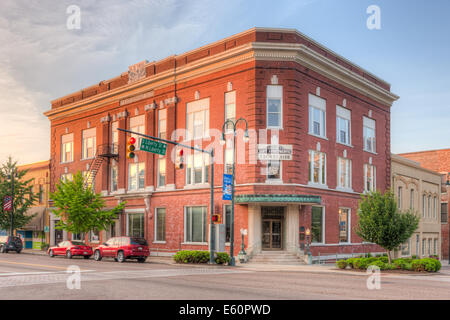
153	146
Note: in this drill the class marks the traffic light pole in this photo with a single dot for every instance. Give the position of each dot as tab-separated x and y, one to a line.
211	154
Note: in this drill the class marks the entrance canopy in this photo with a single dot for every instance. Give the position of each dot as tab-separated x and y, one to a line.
37	223
278	198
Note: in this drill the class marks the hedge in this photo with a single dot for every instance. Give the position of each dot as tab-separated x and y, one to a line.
198	256
425	264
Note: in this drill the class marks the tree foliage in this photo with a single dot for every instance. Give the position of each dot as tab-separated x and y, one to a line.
81	209
381	222
24	197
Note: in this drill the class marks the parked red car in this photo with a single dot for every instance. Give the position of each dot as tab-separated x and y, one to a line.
122	248
70	249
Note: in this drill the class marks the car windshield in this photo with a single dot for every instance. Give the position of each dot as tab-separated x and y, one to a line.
3	238
139	241
78	243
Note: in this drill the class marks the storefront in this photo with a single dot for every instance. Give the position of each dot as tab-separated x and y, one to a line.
33	235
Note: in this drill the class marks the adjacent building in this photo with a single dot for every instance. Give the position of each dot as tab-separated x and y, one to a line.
291	90
37	232
419	190
438	161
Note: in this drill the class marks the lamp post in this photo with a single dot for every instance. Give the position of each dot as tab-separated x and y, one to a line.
242	254
222	142
12	176
308	252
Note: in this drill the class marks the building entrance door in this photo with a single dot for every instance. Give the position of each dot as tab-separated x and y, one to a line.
272	227
58	234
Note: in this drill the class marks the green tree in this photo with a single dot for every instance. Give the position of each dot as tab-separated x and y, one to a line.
381	222
81	209
24	197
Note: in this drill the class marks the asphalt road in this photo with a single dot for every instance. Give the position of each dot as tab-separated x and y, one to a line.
26	276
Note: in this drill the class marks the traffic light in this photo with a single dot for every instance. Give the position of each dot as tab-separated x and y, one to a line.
216	218
131	147
179	161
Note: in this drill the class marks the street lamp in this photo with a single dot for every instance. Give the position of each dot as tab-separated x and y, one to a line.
12	176
308	252
242	254
222	142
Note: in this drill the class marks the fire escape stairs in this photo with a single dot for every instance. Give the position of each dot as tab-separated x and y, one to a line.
104	153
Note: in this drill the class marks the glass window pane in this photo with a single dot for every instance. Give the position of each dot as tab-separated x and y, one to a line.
316	224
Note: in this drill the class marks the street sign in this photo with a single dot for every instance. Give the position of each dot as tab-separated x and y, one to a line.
274	152
227	180
7	203
46	229
153	146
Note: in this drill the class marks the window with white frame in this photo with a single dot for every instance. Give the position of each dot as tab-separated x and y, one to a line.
429	247
197	169
369	134
135	225
399	197
94	236
230	108
114	132
406	248
435	207
424	206
67	147
435	246
343	120
417	246
429	206
66	177
274	106
136	176
160	224
317	167
41	193
317	225
317	116
88	143
424	244
161	167
344	225
114	175
197	119
344	173
274	170
369	178
162	124
228	163
137	124
195	224
77	237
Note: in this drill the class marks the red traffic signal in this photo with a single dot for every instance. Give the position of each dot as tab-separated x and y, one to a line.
131	147
179	161
216	218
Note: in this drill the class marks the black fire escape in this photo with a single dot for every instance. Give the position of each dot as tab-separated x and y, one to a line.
105	152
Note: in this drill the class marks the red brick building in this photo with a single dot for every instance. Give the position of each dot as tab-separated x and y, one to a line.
438	161
290	89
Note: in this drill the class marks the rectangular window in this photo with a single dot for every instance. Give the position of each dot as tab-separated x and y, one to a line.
344	173
89	146
94	236
77	237
417	246
114	175
369	178
197	119
230	108
228	163
160	224
399	197
135	225
195	224
429	206
411	199
115	132
161	172
344	225
137	124
424	244
424	206
67	147
197	169
162	124
317	116
435	246
317	167
343	120
317	226
274	170
405	248
136	176
274	106
369	134
227	210
41	193
429	247
434	207
66	177
444	209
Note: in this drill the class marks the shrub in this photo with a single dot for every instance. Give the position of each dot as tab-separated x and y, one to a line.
380	264
426	264
350	262
222	258
198	256
341	264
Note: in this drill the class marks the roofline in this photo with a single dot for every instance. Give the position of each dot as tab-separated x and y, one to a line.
415	164
433	150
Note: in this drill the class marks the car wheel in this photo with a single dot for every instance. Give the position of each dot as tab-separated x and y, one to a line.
51	254
68	254
141	260
87	257
120	256
97	255
18	251
2	249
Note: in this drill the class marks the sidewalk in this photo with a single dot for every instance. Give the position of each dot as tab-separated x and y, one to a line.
34	251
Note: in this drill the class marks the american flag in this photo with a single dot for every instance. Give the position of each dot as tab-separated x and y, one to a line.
7	203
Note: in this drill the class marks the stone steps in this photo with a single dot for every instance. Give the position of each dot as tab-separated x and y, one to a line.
276	257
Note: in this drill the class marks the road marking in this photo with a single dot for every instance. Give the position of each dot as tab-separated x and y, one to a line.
36	273
33	265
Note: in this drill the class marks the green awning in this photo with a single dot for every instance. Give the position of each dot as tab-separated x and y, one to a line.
278	198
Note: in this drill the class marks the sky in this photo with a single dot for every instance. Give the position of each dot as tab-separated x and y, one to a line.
41	59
